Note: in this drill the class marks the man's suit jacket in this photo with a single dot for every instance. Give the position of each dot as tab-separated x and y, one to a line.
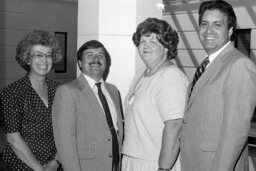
82	135
218	114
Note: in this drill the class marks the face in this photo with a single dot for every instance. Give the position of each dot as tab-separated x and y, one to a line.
41	60
151	50
93	63
214	32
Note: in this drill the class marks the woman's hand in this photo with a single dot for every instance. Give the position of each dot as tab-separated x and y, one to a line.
52	166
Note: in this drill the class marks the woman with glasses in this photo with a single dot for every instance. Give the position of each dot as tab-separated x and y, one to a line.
26	106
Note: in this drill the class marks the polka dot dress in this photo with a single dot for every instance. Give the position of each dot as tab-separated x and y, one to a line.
25	112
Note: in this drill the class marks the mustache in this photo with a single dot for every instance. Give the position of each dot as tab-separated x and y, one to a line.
95	62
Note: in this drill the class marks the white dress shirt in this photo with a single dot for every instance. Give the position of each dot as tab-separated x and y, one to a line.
111	105
215	54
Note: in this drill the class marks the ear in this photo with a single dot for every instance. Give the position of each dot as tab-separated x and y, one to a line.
28	59
230	31
79	64
165	51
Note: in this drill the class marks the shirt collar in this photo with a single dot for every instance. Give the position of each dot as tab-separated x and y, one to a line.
92	82
215	54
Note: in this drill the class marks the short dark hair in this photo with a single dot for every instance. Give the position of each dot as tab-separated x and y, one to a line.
37	38
223	7
167	36
94	44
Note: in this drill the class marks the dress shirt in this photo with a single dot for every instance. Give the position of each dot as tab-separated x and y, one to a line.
215	54
111	105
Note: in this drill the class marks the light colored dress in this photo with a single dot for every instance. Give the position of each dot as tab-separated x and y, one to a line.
151	101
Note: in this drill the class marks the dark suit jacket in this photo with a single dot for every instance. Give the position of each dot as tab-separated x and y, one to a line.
82	135
218	115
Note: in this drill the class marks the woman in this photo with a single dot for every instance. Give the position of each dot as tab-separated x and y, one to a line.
26	106
155	104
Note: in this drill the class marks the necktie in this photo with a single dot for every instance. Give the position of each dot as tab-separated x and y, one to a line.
200	70
115	147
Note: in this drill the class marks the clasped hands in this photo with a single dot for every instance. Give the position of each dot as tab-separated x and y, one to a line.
50	166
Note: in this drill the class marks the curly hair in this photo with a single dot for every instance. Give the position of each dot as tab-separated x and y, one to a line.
223	7
166	35
43	38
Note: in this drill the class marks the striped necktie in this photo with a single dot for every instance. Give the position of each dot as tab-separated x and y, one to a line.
200	70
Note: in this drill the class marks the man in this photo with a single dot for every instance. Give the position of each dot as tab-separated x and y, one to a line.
221	102
88	136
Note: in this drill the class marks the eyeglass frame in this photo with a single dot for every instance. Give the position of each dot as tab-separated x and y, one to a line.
41	55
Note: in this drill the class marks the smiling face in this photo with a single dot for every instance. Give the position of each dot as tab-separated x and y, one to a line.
151	51
214	32
93	63
41	60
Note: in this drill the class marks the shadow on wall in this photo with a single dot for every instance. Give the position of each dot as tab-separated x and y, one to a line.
187	9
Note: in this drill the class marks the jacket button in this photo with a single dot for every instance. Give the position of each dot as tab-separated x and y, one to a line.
109	139
110	156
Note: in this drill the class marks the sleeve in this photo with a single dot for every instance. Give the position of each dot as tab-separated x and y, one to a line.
11	112
64	128
171	94
239	102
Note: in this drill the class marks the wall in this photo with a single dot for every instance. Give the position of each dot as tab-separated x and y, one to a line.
182	15
17	17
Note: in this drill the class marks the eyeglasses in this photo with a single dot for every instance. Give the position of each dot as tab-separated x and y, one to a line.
41	55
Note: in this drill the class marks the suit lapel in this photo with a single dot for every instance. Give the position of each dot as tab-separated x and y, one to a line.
216	65
89	95
116	102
